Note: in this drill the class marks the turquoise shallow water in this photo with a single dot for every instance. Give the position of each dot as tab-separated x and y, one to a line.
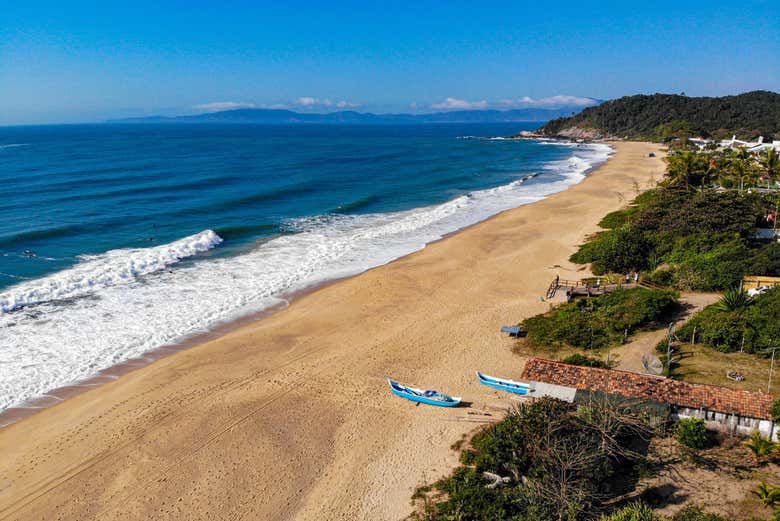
117	239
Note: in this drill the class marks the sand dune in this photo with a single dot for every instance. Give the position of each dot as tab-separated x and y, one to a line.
289	417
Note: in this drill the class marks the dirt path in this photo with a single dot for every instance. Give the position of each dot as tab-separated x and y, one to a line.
630	355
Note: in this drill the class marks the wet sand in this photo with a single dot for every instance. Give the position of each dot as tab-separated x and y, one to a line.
289	417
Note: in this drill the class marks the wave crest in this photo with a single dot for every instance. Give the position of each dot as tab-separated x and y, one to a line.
108	269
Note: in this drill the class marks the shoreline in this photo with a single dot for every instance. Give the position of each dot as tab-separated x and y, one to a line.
58	395
234	427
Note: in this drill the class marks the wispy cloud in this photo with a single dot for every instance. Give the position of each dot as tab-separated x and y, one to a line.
460	104
310	102
217	106
307	101
548	102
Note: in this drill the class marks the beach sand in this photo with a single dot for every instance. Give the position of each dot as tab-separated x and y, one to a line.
290	417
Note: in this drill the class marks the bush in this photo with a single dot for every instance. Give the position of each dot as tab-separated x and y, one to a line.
555	459
599	321
621	250
776	410
633	512
717	329
694	513
691	433
586	361
751	328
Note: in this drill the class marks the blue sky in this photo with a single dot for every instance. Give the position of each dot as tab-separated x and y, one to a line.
87	61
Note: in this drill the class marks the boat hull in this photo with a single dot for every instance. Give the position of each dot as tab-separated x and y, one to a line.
502	384
400	390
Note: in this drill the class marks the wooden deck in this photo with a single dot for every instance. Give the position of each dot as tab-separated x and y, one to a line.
578	288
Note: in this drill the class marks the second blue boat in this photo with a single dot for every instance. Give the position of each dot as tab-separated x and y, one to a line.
503	384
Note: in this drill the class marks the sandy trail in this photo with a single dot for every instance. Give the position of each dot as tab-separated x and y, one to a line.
630	355
290	417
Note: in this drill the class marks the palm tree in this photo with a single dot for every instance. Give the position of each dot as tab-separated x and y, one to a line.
762	448
687	169
741	167
735	299
767	494
771	162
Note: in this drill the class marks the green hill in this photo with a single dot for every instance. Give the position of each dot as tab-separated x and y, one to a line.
662	116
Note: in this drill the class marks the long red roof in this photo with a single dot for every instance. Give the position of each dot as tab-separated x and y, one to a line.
655	388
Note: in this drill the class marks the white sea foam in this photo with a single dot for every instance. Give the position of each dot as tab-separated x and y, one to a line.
118	305
112	268
13	145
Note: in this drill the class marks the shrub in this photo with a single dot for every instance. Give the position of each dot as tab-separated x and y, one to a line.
717	329
587	361
734	300
555	460
776	410
767	494
694	513
599	321
691	433
762	448
633	512
750	329
621	250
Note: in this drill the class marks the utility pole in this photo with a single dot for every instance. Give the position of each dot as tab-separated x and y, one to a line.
669	350
771	367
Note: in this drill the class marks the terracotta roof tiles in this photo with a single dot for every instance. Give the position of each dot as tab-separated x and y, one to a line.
656	388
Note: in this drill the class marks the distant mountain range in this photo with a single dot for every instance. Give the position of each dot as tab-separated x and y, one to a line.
279	117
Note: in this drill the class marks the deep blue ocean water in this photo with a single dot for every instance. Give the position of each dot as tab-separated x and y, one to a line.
116	239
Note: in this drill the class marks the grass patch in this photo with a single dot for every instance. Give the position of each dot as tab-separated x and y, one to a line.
701	364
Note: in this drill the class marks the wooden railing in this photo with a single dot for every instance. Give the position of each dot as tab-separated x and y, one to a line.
578	287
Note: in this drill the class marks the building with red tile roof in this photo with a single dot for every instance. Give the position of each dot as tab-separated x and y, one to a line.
740	411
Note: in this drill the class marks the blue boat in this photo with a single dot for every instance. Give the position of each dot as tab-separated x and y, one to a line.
429	396
503	384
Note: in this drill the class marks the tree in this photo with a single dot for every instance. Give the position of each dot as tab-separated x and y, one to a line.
688	169
761	447
742	168
771	162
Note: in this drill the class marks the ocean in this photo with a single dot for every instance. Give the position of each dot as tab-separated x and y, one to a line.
119	239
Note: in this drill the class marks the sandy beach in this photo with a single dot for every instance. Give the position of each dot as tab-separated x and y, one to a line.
289	417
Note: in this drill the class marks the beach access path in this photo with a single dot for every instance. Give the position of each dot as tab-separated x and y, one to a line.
290	417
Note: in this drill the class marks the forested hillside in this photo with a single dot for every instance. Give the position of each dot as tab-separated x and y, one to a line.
662	116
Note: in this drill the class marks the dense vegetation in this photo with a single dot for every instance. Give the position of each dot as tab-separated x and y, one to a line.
600	321
640	512
587	361
661	116
547	460
737	323
700	240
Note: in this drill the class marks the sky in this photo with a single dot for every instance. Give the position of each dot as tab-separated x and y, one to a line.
76	61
